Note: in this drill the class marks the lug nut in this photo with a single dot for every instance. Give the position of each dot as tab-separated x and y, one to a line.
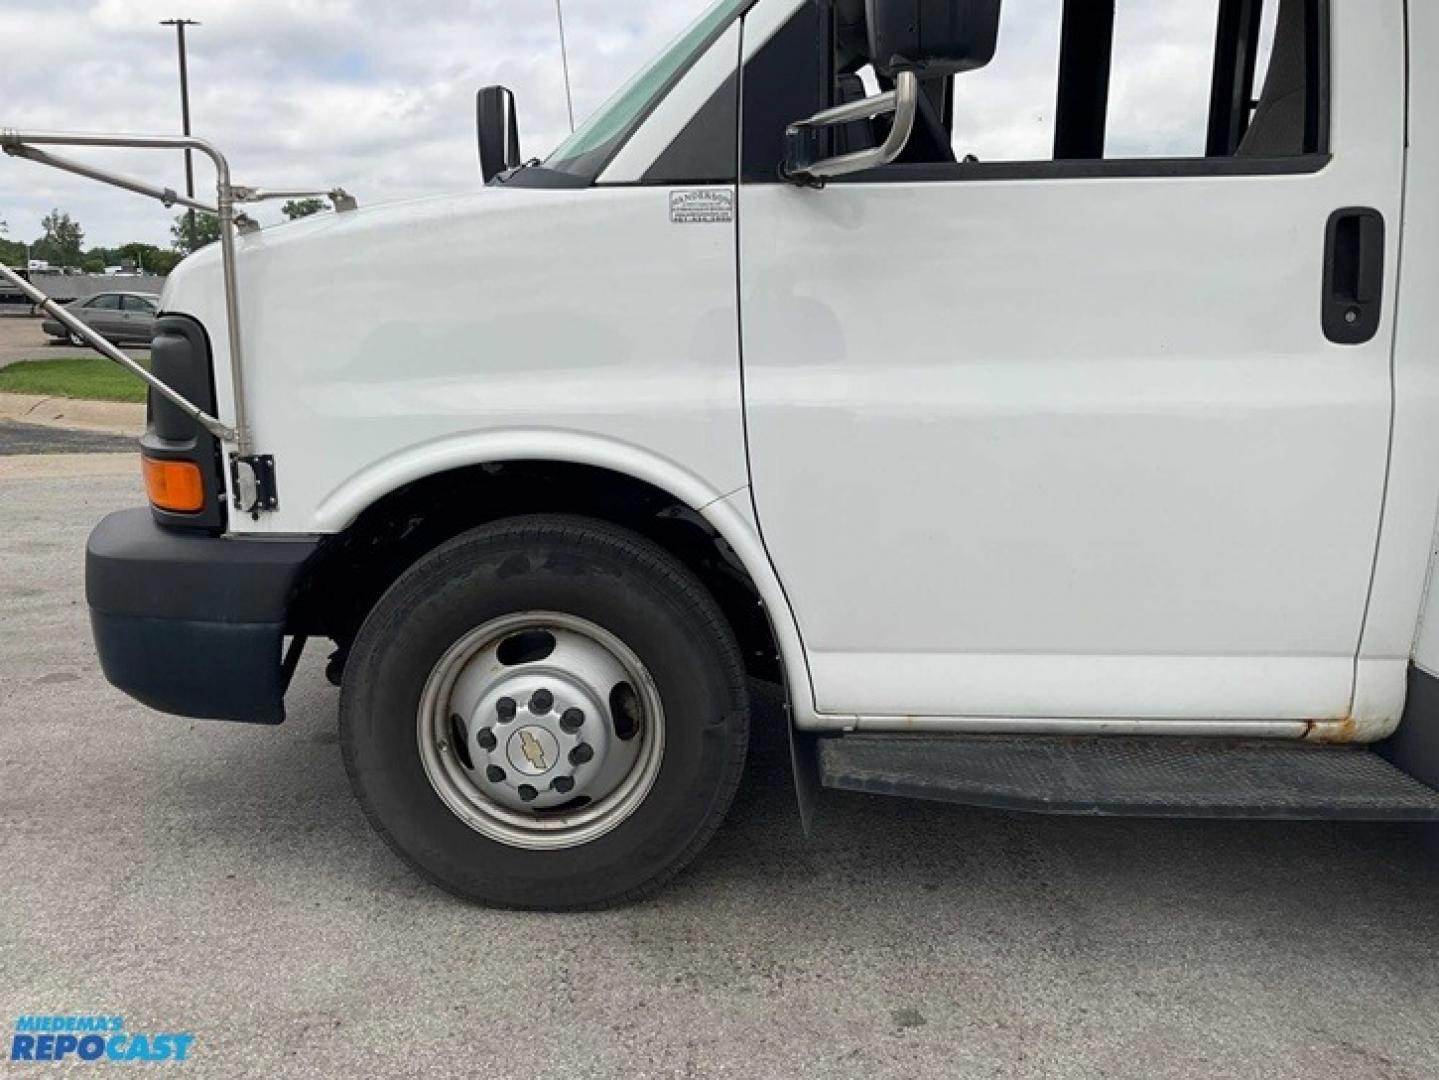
505	708
572	720
542	702
486	739
495	774
581	754
527	793
563	784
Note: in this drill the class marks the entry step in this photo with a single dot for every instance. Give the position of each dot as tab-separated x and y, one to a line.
1123	777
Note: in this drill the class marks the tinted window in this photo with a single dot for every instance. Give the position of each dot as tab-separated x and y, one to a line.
105	302
138	303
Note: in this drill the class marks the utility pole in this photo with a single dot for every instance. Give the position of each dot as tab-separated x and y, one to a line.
179	25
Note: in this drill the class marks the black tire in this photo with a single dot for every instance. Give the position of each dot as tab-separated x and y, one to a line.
613	578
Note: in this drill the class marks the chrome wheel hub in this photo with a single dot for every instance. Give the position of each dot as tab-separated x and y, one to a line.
541	730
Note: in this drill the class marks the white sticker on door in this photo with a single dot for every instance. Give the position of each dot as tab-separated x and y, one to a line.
702	206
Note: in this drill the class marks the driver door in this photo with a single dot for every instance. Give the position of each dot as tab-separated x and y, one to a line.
1069	440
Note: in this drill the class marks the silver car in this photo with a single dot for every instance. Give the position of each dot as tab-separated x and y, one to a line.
120	316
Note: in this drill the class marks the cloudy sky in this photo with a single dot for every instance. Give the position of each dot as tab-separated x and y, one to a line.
378	95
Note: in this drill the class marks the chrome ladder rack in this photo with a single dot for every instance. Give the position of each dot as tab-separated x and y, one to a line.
228	196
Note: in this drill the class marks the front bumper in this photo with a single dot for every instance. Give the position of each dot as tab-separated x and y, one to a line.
191	624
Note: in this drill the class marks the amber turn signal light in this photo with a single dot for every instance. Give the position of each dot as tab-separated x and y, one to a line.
175	486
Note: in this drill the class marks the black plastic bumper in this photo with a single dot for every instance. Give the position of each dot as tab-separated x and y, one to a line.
191	624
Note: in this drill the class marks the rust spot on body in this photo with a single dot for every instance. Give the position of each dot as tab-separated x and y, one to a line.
1341	732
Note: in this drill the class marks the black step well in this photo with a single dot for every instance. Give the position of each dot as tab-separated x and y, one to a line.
1124	777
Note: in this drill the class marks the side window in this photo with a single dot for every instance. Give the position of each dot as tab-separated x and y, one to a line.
139	304
104	302
1161	79
1005	111
1167	79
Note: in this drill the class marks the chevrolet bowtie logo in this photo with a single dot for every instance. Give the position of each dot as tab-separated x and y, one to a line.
533	751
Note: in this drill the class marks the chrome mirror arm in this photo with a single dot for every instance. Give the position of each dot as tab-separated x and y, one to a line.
902	102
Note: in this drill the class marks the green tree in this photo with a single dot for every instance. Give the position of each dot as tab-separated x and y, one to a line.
298	208
63	240
147	258
12	252
92	263
206	231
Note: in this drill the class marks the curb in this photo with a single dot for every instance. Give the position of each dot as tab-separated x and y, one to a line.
109	417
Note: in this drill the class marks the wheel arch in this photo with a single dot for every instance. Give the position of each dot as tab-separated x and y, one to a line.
429	493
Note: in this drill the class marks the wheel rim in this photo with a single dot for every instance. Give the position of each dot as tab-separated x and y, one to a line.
541	730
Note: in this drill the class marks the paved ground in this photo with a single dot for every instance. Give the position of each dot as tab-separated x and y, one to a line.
220	880
22	339
17	438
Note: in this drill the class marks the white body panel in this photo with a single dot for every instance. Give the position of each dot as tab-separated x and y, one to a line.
566	315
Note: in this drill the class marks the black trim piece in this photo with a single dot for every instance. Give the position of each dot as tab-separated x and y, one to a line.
1105	775
705	152
1126	168
1414	748
1321	105
201	670
191	624
135	567
181	356
1086	55
1236	56
784	81
1353	300
537	176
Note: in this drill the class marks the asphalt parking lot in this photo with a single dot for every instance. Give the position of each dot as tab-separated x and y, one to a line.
22	339
220	880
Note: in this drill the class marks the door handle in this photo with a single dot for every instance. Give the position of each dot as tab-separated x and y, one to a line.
1353	275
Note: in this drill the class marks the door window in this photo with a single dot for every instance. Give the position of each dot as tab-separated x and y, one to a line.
139	304
1197	85
104	302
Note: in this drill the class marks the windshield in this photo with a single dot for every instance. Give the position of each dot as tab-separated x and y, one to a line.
589	148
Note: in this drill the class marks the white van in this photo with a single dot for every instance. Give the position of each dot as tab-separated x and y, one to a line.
1097	483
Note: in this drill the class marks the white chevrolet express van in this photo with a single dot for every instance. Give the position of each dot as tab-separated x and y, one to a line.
1093	483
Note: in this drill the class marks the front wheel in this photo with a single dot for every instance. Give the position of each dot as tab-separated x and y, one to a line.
548	712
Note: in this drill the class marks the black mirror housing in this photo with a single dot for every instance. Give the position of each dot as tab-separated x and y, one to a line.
499	131
933	38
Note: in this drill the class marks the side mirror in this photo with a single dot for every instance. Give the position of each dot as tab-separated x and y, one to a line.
499	131
933	38
909	41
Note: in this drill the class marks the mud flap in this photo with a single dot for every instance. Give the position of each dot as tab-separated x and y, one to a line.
804	760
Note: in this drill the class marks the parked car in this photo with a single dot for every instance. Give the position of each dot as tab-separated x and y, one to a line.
123	317
1089	483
